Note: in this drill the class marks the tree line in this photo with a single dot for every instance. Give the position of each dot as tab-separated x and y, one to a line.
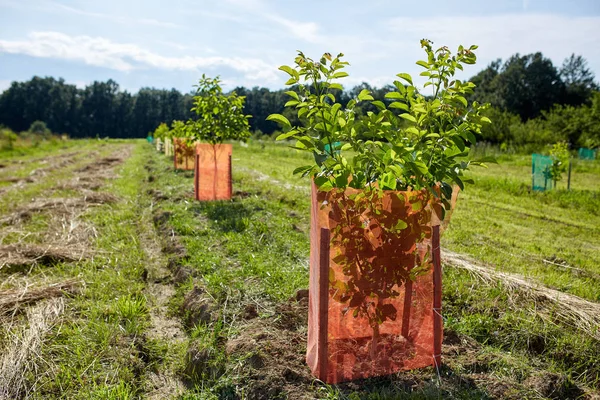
525	91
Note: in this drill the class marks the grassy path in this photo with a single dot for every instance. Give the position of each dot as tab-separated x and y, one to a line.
181	299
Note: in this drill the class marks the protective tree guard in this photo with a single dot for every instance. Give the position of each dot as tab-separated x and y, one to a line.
212	172
375	284
169	147
184	155
541	178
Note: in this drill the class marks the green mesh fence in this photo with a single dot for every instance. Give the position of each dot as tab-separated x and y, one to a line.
540	172
587	154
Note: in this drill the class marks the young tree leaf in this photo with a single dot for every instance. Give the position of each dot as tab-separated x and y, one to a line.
406	77
408	117
280	119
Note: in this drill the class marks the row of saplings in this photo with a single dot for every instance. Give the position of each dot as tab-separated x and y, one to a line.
383	183
198	143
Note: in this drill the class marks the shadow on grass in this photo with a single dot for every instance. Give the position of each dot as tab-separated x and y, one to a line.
226	216
417	384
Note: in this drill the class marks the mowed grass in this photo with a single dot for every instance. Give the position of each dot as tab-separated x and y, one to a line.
498	220
255	249
99	348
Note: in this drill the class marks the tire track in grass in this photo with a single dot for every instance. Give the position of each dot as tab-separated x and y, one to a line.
162	383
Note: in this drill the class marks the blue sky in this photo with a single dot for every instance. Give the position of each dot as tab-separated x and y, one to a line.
169	44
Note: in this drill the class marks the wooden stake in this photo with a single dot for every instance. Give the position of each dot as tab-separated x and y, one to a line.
323	302
230	179
437	297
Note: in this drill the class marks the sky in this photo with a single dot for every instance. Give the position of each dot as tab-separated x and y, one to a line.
170	44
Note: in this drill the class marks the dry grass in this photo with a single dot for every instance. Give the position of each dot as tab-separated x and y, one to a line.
21	353
63	206
571	310
16	255
12	300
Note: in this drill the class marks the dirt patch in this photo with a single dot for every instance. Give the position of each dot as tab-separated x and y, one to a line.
162	382
272	361
198	307
157	195
27	179
103	163
171	245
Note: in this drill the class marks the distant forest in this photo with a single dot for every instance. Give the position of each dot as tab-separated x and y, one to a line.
522	90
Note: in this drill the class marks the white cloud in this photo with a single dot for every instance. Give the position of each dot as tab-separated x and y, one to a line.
114	18
58	8
504	35
125	57
308	31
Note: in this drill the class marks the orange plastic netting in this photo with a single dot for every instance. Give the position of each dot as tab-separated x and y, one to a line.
212	179
375	284
184	154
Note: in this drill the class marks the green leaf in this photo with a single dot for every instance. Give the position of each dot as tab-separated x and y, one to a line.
408	117
460	143
290	71
293	94
462	100
393	95
471	137
400	225
398	105
280	119
340	74
346	146
486	120
379	104
423	64
406	77
459	182
365	95
286	135
303	169
421	167
412	130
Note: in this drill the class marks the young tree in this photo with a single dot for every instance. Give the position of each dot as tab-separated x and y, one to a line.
219	117
162	131
415	143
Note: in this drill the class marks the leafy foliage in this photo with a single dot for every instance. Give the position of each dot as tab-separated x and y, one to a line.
161	132
560	159
39	128
219	116
413	144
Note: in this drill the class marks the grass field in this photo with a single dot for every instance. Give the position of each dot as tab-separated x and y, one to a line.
122	286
